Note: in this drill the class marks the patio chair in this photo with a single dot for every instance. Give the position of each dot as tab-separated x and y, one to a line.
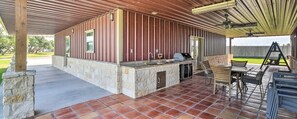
254	78
208	74
222	76
238	63
282	93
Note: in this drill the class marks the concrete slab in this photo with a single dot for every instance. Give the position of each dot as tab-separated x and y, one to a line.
55	89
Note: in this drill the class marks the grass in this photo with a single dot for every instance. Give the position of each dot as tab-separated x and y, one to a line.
40	54
3	67
5	60
253	60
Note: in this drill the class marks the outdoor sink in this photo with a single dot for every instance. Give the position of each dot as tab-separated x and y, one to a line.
155	63
144	64
159	63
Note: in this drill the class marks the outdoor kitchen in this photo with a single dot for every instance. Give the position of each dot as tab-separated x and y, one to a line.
144	77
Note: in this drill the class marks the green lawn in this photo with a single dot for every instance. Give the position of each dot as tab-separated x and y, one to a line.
253	60
41	54
5	60
3	66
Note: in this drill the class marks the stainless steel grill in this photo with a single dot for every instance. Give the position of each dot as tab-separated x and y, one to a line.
182	56
185	69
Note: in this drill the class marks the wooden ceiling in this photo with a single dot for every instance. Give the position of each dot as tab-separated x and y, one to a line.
274	17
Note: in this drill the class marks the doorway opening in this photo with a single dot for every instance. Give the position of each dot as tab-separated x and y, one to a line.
197	51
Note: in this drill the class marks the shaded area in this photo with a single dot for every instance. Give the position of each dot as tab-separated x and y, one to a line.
56	89
189	99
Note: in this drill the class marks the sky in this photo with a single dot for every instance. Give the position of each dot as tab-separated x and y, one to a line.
259	41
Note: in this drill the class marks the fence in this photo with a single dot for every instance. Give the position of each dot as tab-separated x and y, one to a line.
256	51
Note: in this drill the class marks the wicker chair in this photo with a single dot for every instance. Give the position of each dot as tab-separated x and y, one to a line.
222	76
208	74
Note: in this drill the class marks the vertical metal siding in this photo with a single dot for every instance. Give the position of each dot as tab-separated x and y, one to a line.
104	40
144	33
294	43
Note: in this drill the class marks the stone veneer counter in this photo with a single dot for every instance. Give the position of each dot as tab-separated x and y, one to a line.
139	79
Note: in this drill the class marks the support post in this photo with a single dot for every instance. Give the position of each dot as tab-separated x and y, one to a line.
119	33
18	83
21	35
119	40
230	45
230	55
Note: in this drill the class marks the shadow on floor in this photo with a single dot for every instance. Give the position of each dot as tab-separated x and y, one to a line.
189	99
55	89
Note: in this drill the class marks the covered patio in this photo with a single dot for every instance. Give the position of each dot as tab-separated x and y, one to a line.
187	100
55	89
144	52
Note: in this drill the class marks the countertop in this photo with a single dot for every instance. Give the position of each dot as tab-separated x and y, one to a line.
143	64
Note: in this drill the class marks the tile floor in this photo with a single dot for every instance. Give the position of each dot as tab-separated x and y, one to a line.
190	99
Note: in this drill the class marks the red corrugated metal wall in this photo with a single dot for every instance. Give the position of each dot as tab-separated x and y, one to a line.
145	33
142	34
105	39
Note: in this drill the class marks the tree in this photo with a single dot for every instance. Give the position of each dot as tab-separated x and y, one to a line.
7	43
39	43
52	43
35	43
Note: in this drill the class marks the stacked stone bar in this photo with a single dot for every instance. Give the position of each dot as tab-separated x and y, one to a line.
18	93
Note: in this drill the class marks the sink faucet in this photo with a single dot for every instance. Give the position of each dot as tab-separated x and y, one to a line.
150	56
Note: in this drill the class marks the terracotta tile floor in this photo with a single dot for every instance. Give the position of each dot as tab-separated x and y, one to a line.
190	99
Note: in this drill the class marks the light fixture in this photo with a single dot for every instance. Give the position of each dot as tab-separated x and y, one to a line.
154	13
215	7
111	17
72	30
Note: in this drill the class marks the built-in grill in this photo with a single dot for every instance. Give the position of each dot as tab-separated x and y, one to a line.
185	68
182	56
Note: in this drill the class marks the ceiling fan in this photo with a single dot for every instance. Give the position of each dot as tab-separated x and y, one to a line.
228	24
252	34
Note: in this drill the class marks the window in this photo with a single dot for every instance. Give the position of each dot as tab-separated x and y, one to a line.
90	41
67	45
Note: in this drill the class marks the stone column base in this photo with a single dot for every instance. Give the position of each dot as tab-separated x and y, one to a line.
18	94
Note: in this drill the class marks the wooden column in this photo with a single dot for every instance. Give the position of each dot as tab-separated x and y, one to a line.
21	35
230	45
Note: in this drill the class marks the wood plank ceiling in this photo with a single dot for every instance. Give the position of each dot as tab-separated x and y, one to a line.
274	17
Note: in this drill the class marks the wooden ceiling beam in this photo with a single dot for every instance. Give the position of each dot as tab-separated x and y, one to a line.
273	16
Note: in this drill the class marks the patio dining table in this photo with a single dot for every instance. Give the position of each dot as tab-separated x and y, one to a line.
239	71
